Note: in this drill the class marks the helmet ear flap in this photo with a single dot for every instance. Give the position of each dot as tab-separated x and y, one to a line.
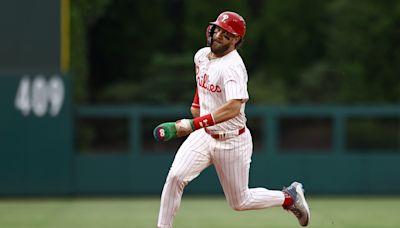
209	34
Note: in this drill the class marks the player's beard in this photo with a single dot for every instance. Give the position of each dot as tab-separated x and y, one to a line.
218	48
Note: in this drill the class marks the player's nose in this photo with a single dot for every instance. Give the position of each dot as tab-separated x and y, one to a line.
219	35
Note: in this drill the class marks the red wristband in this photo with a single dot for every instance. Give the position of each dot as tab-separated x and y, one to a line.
203	121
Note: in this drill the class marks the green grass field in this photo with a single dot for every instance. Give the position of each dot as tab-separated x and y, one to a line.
195	212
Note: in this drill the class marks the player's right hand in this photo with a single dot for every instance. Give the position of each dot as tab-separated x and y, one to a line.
172	130
165	132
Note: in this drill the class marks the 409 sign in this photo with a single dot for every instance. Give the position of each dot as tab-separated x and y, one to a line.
40	95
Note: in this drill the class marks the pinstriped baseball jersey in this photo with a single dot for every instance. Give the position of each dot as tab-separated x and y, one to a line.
218	81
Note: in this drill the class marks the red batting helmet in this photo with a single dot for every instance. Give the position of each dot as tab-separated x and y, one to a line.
231	22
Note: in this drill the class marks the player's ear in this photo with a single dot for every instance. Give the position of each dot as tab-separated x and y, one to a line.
237	40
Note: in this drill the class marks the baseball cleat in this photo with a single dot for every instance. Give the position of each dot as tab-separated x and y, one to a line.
299	206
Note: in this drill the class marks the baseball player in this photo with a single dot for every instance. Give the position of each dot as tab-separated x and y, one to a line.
218	134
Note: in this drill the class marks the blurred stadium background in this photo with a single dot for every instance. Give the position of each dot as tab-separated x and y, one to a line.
83	83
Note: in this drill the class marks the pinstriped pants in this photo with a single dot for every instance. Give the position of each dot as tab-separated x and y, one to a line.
231	158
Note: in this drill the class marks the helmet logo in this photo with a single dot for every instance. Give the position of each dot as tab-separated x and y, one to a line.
224	18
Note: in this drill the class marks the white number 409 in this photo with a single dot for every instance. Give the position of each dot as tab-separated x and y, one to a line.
40	95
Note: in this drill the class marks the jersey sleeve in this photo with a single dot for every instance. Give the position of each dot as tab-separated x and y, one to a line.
197	56
196	103
235	82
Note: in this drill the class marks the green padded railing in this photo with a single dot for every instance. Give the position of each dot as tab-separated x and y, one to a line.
335	168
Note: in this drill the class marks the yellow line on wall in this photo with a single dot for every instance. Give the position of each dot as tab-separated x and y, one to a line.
65	36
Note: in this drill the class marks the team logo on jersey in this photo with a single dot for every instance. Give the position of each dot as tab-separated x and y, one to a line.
203	82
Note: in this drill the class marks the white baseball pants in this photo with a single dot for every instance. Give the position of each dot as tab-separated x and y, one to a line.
231	158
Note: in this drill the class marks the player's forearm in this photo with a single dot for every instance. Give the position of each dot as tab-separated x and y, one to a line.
227	111
183	127
195	112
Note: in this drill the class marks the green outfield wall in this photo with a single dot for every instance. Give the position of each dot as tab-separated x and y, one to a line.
330	157
36	119
35	134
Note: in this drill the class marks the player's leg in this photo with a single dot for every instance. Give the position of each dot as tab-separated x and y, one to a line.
232	162
191	158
